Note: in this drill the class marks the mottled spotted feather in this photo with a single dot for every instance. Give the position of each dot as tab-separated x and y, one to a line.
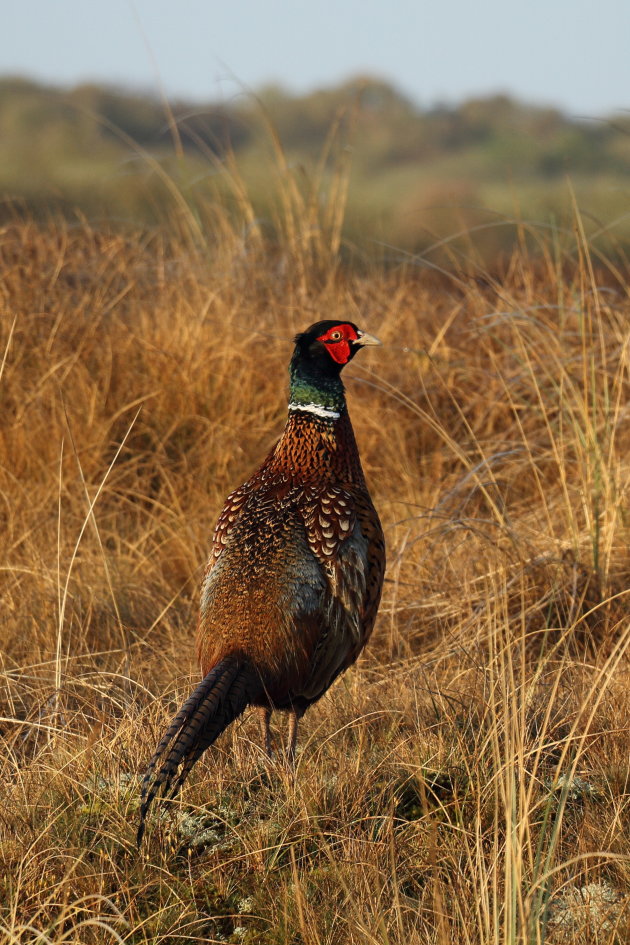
231	511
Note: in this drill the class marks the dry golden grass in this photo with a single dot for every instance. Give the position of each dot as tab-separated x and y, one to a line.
468	781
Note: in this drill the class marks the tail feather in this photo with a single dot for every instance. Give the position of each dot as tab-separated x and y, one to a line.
219	698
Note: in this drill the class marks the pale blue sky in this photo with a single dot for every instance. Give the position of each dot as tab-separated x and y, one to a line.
570	53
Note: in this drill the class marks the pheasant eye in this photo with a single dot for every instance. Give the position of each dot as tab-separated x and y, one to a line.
336	336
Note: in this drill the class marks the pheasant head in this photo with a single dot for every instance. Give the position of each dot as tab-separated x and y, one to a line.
320	354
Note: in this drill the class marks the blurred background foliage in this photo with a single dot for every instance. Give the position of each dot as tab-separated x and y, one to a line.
416	176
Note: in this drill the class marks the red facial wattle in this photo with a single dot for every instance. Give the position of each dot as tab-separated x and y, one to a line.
337	341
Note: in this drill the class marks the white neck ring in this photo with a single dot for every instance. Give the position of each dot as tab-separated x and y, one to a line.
317	409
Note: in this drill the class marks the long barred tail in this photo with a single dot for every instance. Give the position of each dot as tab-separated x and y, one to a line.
218	699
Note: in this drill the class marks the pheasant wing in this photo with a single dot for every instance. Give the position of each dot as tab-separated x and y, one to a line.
344	534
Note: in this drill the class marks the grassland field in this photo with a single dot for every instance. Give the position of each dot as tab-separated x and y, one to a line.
468	781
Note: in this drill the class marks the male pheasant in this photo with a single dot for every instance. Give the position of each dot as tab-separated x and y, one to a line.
294	580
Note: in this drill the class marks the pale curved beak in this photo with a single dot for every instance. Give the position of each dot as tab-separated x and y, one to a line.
365	339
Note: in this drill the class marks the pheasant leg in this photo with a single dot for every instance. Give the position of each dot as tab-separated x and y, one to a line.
264	716
294	720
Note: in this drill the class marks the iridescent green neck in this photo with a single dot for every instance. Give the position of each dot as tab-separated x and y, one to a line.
314	392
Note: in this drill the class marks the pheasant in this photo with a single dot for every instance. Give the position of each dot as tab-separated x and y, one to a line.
292	587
